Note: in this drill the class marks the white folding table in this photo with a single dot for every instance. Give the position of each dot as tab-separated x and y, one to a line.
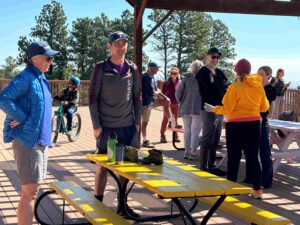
291	131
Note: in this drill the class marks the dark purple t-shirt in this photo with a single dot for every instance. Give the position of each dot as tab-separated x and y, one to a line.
122	69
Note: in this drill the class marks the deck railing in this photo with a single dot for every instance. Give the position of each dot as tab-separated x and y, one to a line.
58	85
292	96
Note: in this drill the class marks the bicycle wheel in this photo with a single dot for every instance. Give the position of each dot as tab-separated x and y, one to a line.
56	126
76	126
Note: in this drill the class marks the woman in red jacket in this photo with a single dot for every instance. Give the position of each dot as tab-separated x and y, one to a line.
168	89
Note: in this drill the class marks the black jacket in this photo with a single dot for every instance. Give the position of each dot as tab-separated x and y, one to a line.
212	86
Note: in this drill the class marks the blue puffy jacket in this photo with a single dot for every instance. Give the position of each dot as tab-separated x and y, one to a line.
23	101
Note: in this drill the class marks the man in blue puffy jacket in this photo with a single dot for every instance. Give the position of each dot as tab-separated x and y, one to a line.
28	105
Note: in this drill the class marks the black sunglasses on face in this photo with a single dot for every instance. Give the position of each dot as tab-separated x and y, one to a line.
49	58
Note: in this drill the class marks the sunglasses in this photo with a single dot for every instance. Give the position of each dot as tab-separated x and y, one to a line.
174	73
72	84
215	57
49	58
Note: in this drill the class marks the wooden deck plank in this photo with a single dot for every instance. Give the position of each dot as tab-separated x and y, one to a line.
67	162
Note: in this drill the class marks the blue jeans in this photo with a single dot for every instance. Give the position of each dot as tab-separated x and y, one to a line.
266	156
69	115
192	125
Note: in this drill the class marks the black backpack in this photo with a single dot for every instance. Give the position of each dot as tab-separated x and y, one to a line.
286	116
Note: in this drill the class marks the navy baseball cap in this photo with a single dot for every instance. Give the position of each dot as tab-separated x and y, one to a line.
153	64
117	36
213	51
40	48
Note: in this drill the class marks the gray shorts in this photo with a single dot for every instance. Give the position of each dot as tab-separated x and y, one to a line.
31	163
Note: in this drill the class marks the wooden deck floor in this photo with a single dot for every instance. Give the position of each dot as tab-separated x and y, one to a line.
67	162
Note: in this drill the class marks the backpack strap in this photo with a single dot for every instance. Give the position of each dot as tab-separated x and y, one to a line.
94	92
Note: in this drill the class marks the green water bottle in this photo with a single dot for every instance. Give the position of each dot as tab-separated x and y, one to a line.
111	147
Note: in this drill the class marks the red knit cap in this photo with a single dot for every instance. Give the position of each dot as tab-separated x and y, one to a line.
242	67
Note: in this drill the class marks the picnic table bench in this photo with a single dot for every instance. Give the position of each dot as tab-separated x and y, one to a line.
175	180
84	202
247	212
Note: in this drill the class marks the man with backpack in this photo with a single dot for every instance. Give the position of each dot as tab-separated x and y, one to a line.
115	102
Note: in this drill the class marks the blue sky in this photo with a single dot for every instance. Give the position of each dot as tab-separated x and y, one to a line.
264	40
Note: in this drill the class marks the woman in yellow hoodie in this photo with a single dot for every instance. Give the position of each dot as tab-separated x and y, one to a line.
242	104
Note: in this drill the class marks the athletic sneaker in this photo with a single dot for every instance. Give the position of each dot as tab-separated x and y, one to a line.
257	194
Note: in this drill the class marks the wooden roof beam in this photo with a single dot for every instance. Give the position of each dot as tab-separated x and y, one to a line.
263	7
157	25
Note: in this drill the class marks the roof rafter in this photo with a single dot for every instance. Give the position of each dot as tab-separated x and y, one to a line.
264	7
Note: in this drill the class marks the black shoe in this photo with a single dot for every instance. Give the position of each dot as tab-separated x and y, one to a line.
203	168
217	171
169	125
178	126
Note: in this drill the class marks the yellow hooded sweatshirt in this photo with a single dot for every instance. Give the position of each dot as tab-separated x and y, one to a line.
244	100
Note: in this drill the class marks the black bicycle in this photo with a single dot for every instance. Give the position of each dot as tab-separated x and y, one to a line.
59	122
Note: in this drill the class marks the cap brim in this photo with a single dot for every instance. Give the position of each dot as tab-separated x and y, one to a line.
50	52
212	53
119	39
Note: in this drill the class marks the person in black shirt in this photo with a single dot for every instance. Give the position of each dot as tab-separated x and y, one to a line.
265	150
213	85
71	97
281	88
152	98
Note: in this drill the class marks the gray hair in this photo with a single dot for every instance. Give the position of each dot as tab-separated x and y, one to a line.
267	70
195	66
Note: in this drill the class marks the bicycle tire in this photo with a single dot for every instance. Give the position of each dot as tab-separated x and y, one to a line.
55	128
76	127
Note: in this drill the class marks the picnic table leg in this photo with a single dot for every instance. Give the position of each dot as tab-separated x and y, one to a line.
121	192
124	208
276	164
184	211
213	209
38	201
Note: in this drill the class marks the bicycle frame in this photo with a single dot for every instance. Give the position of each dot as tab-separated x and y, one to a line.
60	123
60	112
61	126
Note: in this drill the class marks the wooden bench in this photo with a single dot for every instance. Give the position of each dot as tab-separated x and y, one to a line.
247	212
85	203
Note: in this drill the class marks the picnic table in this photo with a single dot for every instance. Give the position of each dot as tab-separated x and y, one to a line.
172	180
291	131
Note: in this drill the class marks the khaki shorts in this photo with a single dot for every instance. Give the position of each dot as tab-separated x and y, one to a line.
31	163
146	110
